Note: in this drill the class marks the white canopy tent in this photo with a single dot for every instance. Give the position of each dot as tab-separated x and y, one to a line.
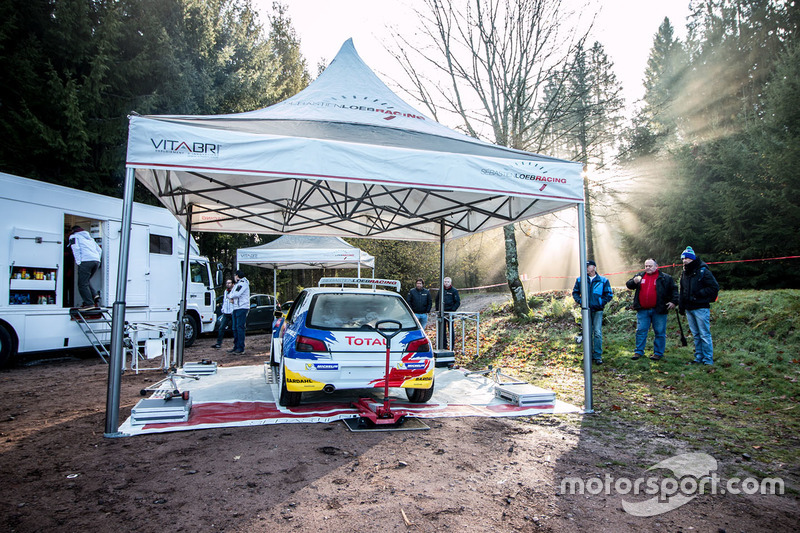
344	157
292	252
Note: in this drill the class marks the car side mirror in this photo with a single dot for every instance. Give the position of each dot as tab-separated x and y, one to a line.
277	314
218	278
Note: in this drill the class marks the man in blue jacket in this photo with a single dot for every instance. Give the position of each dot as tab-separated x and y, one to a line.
600	294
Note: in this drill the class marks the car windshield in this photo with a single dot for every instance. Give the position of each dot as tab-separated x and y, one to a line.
356	311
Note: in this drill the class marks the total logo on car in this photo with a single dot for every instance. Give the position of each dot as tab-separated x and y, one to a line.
328	341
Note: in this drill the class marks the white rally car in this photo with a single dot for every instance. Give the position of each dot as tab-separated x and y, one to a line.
328	342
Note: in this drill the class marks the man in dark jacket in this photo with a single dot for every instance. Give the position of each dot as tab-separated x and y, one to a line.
698	289
600	294
452	301
656	293
419	299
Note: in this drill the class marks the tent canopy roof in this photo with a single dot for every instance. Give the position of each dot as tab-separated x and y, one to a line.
299	251
344	157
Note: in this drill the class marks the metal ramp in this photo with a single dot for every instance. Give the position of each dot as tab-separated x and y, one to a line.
95	323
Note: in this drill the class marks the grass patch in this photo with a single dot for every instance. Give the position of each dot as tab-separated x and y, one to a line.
748	402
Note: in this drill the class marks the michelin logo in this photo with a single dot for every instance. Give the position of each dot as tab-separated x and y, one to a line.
322	366
411	366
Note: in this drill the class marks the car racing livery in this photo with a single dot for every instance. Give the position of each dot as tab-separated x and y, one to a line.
328	341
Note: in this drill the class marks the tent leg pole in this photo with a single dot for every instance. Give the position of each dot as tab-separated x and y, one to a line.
181	339
118	312
275	284
585	313
440	329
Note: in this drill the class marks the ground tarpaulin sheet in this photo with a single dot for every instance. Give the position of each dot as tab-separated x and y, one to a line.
245	396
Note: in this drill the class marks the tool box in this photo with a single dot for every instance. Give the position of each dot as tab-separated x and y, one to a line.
200	368
524	394
160	410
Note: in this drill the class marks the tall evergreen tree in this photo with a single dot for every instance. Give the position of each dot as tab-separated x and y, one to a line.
293	74
587	118
654	127
662	78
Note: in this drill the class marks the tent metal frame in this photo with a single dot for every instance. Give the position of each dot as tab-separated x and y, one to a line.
367	204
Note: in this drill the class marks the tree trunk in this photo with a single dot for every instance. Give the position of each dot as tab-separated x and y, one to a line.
521	308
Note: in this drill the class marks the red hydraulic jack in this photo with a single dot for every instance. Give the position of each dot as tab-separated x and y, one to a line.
368	408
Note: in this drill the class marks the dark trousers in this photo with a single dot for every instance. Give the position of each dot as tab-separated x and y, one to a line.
239	323
224	321
449	333
85	272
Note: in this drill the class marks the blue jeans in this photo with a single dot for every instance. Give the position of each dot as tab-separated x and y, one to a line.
700	325
597	334
239	322
644	318
423	319
224	320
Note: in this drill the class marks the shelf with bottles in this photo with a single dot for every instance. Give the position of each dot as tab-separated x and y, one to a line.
33	279
32	298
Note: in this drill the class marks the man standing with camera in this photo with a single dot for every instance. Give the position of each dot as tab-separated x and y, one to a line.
656	293
600	294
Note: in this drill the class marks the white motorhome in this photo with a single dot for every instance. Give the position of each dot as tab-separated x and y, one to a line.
35	222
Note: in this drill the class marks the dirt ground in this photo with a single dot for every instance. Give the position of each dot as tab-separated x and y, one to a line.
59	473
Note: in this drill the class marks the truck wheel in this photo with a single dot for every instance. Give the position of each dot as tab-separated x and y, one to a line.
419	395
7	349
287	398
189	330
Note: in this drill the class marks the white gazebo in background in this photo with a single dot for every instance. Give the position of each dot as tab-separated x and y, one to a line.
294	252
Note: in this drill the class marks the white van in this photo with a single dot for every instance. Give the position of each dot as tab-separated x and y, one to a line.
35	222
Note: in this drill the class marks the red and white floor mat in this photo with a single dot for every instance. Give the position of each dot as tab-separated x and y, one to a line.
245	396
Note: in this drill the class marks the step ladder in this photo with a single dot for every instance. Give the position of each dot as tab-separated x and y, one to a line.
95	322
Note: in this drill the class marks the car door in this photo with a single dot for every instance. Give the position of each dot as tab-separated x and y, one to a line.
259	316
253	314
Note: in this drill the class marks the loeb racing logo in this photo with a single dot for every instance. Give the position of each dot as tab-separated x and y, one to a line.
190	148
536	173
363	103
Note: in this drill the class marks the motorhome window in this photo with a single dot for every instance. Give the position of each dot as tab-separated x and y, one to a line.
199	273
160	244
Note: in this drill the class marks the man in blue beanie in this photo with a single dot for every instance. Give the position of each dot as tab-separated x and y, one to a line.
698	289
600	294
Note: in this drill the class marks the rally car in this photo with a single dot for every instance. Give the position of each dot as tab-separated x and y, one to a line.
328	341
